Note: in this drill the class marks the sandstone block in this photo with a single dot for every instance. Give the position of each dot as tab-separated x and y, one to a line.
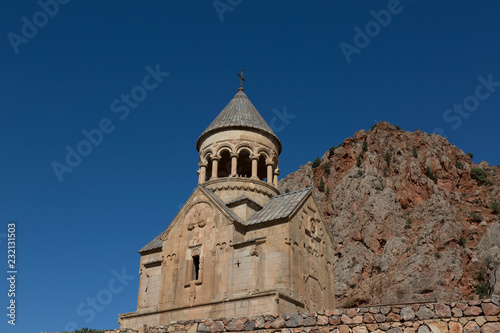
346	319
490	309
385	326
352	312
343	329
359	329
236	325
442	311
368	318
424	313
277	323
385	309
455	327
423	329
203	328
407	313
480	320
322	320
379	317
438	327
216	326
409	330
249	325
472	327
473	311
491	327
334	320
259	322
295	321
395	330
310	321
457	312
393	317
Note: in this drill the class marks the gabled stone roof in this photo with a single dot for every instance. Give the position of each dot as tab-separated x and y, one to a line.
239	113
280	206
156	243
228	210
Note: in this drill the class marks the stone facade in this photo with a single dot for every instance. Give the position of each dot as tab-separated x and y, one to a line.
466	316
237	247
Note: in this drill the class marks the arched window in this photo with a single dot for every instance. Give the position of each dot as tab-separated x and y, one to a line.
244	164
224	168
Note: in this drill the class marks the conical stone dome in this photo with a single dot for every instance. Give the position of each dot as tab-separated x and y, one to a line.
239	113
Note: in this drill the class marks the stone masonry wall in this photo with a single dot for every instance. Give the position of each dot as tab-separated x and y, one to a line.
465	316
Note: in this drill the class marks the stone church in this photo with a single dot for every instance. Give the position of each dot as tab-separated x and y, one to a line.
238	247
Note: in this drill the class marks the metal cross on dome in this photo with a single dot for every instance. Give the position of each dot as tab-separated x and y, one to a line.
240	75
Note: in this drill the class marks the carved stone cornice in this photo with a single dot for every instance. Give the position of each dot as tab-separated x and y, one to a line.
244	184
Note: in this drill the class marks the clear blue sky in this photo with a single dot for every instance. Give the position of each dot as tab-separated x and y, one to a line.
64	78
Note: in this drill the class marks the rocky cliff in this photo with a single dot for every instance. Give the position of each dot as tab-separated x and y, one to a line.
413	218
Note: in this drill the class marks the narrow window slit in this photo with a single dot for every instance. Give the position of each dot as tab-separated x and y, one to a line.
196	267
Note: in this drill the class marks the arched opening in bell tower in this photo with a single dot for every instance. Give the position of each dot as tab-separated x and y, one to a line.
244	164
224	167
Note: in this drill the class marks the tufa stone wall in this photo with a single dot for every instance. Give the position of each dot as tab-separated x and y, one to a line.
466	316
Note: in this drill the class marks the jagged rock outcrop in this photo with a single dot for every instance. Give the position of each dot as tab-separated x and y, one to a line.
409	221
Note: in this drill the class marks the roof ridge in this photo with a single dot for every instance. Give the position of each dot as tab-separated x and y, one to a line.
242	198
293	192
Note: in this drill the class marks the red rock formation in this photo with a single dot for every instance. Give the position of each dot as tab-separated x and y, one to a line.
400	235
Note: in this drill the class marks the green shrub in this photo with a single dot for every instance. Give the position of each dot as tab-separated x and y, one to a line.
415	152
495	207
388	158
359	159
349	304
475	216
327	191
398	127
408	224
373	127
316	162
462	241
431	174
482	290
331	150
326	167
459	164
478	174
470	155
365	146
287	190
321	186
